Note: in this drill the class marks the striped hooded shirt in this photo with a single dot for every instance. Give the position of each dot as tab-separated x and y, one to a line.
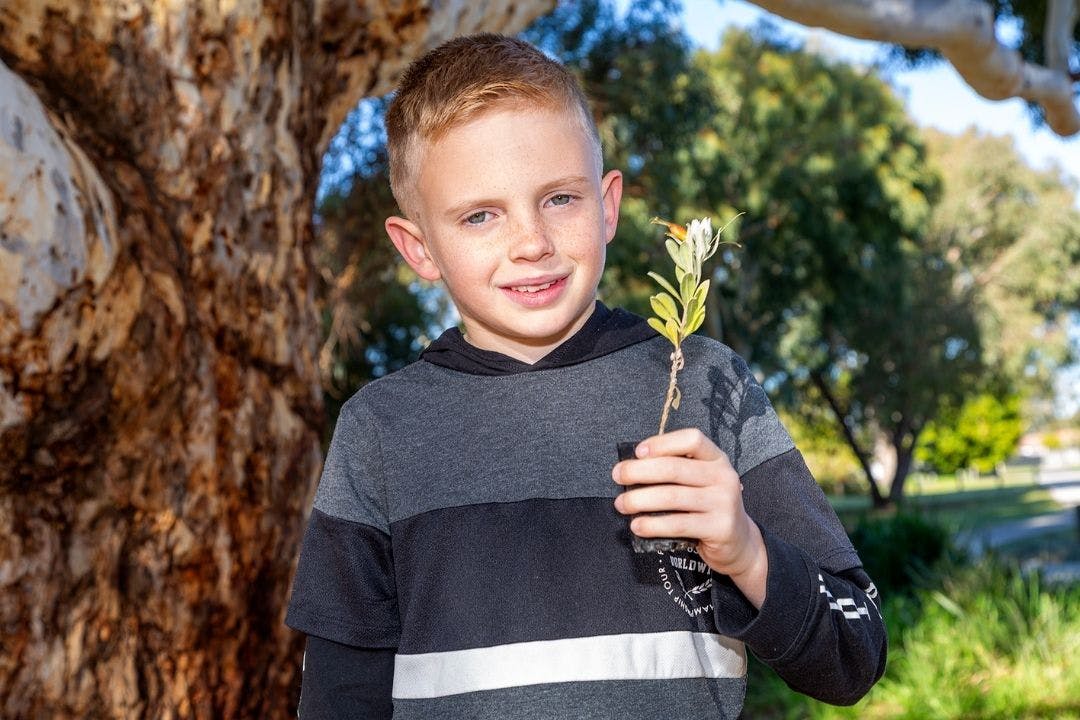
463	558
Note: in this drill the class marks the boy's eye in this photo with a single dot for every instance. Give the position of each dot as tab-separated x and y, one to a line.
477	218
561	199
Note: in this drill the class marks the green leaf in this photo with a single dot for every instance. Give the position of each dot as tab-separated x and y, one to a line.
686	288
692	307
673	332
673	251
696	320
664	306
660	328
663	283
702	291
686	257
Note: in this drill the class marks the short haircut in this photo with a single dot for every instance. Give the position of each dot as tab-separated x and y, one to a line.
462	78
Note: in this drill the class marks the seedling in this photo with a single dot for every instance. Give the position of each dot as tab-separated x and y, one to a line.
680	309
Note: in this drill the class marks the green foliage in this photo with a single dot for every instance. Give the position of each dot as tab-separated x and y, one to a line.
827	456
983	432
834	292
899	552
985	643
1013	235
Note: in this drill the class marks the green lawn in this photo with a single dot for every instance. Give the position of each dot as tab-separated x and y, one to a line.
976	504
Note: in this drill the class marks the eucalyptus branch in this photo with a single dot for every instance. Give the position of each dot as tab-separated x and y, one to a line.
680	308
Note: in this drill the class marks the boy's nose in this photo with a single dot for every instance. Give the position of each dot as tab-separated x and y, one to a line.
530	241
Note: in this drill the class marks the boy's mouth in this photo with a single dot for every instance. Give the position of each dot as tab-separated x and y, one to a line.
532	288
538	291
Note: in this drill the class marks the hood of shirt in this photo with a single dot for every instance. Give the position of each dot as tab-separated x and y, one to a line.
604	332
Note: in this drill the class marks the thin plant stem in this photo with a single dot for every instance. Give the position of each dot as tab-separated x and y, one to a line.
676	366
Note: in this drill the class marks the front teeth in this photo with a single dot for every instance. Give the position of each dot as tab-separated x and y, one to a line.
532	288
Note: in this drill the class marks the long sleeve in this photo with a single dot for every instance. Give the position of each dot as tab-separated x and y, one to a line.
821	632
344	594
819	627
342	682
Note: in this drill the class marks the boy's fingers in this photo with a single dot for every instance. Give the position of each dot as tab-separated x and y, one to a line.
658	471
679	524
688	442
658	498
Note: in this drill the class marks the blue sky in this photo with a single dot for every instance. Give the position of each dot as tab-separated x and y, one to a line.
935	97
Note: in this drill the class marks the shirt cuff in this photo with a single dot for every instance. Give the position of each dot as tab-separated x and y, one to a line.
774	629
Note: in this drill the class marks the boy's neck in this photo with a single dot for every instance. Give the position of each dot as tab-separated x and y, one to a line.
526	352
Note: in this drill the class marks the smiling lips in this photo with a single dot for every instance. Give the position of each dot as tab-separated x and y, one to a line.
536	292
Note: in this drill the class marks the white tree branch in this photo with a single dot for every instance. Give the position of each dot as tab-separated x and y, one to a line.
963	31
1061	18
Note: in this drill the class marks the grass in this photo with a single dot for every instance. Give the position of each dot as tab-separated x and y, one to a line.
976	506
975	509
984	643
921	484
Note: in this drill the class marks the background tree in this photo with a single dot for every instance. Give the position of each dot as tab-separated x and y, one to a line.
832	296
160	405
886	366
979	434
1013	235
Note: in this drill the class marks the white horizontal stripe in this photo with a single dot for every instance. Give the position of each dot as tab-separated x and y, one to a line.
642	656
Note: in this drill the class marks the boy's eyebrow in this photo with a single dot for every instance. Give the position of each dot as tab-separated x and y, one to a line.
569	180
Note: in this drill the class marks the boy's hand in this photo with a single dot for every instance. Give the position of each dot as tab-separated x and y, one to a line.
684	475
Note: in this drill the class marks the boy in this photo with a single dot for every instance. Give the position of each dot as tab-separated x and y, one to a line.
468	553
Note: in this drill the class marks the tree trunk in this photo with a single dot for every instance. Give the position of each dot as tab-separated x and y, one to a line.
160	407
820	383
905	454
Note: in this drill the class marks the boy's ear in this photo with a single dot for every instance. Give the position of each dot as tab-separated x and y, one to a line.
409	241
611	197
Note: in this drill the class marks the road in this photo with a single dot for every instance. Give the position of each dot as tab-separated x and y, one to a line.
1063	485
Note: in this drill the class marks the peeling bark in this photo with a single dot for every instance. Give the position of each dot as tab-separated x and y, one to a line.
963	31
160	407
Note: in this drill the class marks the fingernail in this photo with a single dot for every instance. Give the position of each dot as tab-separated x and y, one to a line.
642	450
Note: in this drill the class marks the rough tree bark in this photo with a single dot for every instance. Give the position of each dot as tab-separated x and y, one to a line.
160	408
963	31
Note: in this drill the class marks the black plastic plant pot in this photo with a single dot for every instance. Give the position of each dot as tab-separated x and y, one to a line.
651	545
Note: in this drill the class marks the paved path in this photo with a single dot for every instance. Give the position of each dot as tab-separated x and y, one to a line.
1063	486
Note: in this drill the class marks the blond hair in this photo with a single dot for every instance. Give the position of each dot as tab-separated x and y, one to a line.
463	77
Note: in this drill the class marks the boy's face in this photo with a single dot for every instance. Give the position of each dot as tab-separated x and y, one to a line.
512	215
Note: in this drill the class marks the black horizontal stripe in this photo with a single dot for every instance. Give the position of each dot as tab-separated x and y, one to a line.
504	573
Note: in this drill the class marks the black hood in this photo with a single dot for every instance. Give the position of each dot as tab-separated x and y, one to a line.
604	332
